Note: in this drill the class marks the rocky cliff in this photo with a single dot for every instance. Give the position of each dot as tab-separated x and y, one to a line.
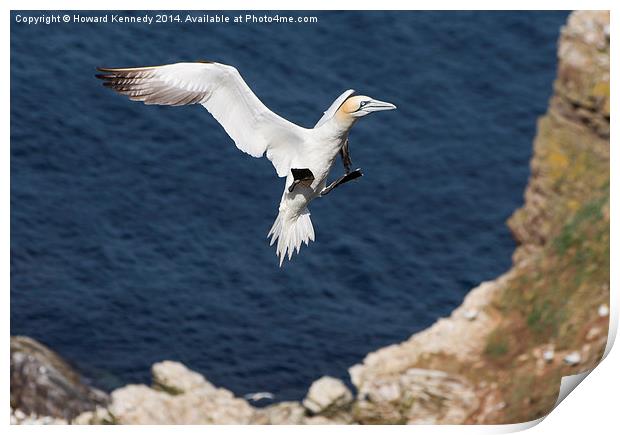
43	384
499	357
511	341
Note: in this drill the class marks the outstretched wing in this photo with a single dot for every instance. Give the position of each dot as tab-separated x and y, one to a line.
222	91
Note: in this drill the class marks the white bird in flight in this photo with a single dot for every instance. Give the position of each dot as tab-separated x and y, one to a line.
303	155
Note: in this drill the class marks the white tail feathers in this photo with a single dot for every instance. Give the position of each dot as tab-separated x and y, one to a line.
291	232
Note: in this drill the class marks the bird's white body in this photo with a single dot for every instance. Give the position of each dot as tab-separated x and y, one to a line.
320	148
255	130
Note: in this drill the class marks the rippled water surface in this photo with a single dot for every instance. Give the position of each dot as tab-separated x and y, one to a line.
138	232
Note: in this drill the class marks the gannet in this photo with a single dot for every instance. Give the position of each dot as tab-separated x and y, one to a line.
303	155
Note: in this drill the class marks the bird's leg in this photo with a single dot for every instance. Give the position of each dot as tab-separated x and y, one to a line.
340	181
345	154
304	176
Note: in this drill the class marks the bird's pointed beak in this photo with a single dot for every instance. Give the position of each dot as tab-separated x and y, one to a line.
376	106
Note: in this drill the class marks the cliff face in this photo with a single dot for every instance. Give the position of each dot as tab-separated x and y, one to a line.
571	150
42	383
510	342
499	357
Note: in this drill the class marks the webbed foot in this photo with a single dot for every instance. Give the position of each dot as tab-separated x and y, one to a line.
344	179
304	176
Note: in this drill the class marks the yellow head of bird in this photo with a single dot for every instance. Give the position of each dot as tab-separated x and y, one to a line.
361	105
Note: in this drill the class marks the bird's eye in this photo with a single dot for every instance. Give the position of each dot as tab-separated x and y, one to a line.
363	103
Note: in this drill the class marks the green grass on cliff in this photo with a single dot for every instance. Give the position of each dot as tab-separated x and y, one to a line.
566	283
557	292
553	301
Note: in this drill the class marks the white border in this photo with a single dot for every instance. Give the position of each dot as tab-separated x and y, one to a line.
595	398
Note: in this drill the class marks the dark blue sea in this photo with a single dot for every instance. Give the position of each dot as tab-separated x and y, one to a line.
138	233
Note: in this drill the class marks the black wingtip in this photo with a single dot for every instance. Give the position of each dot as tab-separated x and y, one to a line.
104	76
